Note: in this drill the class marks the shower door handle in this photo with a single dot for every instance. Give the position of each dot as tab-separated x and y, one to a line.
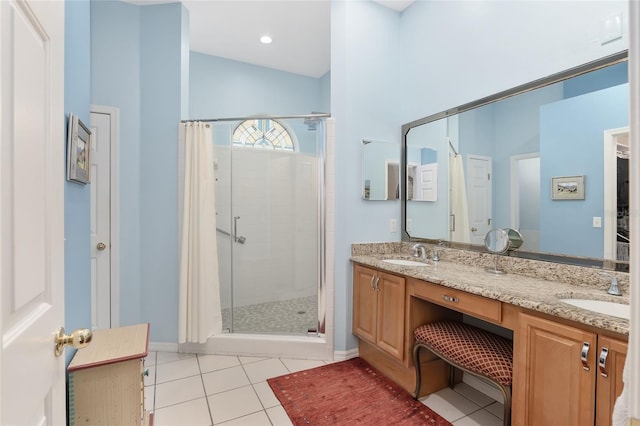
236	238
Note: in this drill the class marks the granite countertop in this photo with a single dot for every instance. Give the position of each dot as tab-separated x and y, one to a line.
527	292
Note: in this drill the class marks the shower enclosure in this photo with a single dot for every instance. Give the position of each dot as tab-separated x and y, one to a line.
270	223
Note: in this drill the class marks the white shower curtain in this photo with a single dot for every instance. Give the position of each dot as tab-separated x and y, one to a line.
199	297
459	206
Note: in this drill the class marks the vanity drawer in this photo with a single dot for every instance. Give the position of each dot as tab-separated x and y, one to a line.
461	301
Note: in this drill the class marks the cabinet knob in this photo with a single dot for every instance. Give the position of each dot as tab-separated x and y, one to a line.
101	246
79	339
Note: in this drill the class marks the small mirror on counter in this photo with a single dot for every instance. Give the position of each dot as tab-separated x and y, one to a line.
499	241
380	170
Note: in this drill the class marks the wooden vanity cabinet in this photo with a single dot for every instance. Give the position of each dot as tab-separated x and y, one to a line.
609	377
378	309
557	378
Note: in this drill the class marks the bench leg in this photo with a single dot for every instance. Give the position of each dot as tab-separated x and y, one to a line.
416	363
506	393
506	390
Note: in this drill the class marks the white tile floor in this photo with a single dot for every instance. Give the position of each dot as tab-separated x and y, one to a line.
193	390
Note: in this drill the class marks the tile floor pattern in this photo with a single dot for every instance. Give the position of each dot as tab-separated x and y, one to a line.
293	316
193	390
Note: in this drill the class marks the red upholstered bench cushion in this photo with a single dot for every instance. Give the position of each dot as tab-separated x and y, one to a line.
477	350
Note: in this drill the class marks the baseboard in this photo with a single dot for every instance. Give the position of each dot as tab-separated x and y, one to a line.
163	347
483	387
345	355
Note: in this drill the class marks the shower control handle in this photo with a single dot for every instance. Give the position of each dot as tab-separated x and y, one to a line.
236	238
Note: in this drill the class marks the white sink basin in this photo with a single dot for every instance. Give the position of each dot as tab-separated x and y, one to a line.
619	310
404	262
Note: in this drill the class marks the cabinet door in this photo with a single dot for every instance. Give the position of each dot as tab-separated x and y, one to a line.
391	301
364	303
556	389
609	382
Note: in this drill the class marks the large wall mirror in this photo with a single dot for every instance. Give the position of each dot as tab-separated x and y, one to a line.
549	159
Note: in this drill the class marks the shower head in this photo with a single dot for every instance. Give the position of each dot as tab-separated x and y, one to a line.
312	122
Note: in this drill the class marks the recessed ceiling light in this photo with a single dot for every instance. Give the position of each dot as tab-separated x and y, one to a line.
265	39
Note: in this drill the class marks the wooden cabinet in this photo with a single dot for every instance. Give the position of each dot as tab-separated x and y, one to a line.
106	385
611	356
557	377
378	309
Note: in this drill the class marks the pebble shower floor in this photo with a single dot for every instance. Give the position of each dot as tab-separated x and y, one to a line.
293	316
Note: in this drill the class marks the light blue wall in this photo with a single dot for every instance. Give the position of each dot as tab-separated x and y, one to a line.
325	93
571	143
161	77
497	45
115	81
222	88
606	77
77	208
138	67
365	101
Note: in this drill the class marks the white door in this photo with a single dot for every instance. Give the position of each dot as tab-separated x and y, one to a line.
101	253
32	211
479	192
427	186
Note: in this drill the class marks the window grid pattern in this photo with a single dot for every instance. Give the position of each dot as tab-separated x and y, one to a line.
262	133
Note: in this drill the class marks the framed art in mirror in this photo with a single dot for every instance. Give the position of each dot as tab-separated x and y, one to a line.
78	151
567	188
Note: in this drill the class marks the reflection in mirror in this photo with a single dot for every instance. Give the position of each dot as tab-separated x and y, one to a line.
424	179
502	153
380	170
497	241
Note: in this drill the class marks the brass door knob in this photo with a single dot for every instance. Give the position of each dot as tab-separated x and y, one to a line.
79	339
101	246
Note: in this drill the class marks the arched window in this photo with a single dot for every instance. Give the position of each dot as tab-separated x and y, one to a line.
263	133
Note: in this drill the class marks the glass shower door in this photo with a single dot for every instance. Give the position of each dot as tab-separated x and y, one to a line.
273	222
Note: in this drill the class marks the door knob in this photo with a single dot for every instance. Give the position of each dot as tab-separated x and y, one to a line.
79	339
474	229
101	246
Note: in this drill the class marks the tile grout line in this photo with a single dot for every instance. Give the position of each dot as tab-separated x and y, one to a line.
204	389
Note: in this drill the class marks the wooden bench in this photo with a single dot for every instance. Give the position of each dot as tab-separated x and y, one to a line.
470	349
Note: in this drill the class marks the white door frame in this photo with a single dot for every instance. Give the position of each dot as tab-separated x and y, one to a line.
114	208
610	224
515	188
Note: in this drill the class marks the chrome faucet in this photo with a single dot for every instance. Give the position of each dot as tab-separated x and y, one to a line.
613	288
419	250
436	256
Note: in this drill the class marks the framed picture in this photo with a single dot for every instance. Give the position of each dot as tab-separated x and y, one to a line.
567	188
78	151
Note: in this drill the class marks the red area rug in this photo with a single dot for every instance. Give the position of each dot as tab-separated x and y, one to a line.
348	393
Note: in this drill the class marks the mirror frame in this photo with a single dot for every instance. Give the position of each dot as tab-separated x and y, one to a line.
542	82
